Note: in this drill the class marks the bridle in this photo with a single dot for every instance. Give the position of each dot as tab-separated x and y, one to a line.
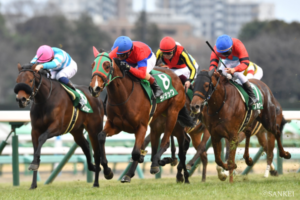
36	89
210	92
106	80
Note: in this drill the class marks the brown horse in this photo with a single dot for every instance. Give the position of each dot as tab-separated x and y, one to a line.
224	111
128	108
51	114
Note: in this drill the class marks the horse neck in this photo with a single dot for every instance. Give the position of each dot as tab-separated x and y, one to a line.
120	88
44	90
217	98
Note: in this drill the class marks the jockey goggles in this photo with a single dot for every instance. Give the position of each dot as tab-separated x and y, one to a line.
168	53
227	53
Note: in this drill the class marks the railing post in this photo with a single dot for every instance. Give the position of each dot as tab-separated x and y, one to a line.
279	159
15	159
61	164
222	152
89	174
158	175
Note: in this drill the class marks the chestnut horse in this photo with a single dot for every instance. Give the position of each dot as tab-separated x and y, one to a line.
128	109
223	112
51	113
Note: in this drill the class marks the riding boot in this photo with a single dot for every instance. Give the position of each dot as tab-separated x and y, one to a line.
156	89
248	89
69	84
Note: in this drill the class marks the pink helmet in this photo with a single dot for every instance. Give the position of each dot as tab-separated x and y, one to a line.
44	53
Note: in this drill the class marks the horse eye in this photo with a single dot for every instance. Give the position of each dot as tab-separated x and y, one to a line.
31	81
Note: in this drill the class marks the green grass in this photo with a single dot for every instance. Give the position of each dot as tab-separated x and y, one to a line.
245	188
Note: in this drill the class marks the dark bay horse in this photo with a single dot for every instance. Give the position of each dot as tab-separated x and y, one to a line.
224	113
128	109
51	113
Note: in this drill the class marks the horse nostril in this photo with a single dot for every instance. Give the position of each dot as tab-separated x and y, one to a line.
23	99
97	89
197	107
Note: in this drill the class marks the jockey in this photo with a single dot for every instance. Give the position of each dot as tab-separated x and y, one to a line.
178	60
138	59
235	56
60	64
253	71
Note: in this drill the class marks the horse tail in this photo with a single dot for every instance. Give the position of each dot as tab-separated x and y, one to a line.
184	119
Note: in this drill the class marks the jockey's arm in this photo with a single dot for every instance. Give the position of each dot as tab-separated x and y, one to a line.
189	63
214	61
243	57
141	71
158	57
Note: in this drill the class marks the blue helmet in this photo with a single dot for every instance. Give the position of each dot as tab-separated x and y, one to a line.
224	43
124	43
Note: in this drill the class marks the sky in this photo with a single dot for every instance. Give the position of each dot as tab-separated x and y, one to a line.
287	10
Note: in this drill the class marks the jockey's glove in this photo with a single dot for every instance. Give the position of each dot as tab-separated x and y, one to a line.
124	66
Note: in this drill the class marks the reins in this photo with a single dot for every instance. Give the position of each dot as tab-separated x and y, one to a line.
34	92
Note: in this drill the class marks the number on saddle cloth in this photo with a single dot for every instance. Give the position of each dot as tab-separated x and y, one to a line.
165	83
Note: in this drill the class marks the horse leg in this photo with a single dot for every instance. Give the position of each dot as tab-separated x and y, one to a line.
196	141
203	154
183	141
217	146
282	153
155	137
108	174
37	152
165	143
35	144
83	143
136	154
270	155
231	159
174	161
246	156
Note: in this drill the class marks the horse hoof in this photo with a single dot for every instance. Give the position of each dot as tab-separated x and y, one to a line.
92	168
108	174
274	173
32	187
125	179
249	162
222	176
33	167
96	185
174	162
186	182
179	179
287	155
141	159
161	162
154	170
188	167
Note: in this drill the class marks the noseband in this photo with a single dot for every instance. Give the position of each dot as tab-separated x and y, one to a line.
34	92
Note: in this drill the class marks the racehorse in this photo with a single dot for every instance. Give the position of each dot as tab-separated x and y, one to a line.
128	109
51	115
223	110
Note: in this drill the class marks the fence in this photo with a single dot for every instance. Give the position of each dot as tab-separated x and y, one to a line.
18	118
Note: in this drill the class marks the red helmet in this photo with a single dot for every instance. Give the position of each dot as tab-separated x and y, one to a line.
167	44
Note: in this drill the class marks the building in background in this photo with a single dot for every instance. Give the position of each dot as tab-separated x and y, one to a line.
211	18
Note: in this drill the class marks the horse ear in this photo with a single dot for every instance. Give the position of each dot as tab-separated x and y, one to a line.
19	67
211	72
96	52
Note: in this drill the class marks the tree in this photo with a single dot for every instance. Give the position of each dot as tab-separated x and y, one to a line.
275	46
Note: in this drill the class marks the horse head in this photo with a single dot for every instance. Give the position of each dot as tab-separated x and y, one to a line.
25	84
105	70
205	85
102	72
